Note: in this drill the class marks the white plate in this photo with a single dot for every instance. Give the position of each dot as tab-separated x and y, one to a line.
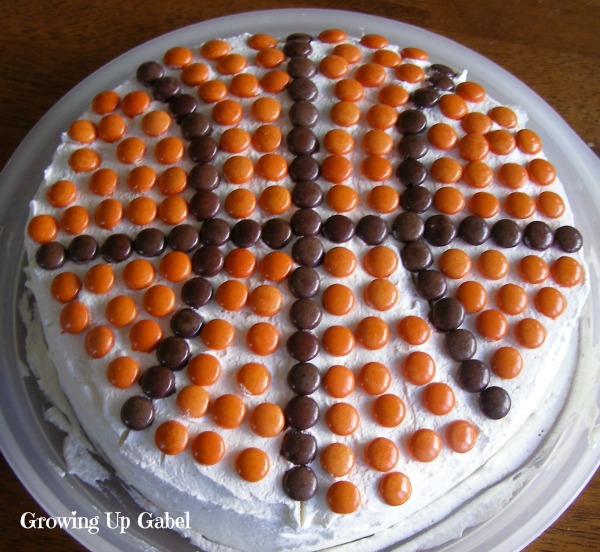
33	447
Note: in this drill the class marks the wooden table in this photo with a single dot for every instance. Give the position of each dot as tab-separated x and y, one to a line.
48	47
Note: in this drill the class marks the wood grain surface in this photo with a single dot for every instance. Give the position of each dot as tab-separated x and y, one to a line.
49	46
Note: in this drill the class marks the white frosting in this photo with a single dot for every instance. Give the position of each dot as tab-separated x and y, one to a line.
224	508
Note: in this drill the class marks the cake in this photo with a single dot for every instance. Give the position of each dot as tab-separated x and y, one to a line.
301	289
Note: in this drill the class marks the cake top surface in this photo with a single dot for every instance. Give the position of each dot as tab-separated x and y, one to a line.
312	266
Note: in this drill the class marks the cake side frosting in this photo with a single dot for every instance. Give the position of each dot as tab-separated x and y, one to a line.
180	479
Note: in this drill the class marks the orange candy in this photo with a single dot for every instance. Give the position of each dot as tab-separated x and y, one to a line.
141	210
334	66
228	411
349	90
82	131
227	112
275	199
111	128
234	140
381	116
473	147
193	401
254	378
135	103
65	286
138	274
121	311
374	41
438	398
411	73
338	381
388	410
533	269
169	150
338	299
156	123
61	193
455	263
502	142
382	454
159	300
171	437
478	174
262	41
262	338
238	169
99	279
195	74
393	95
104	182
449	200
475	121
131	150
266	110
506	362
528	141
446	170
266	138
492	264
99	341
453	106
551	204
270	58
530	333
267	420
217	334
343	497
141	179
418	368
376	168
338	340
172	181
175	266
337	459
232	295
550	302
340	262
208	448
380	261
372	333
74	317
276	266
274	81
265	300
231	64
172	210
178	57
414	330
122	372
345	114
145	335
381	294
349	52
332	36
484	204
512	299
42	228
204	369
240	263
342	198
425	445
74	220
240	203
394	488
214	49
212	91
492	325
541	172
471	92
374	378
519	205
338	142
461	436
386	58
566	272
105	102
442	136
342	418
472	295
252	464
377	142
512	175
383	199
244	85
503	116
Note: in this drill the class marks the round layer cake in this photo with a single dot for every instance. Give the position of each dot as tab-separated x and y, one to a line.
304	288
